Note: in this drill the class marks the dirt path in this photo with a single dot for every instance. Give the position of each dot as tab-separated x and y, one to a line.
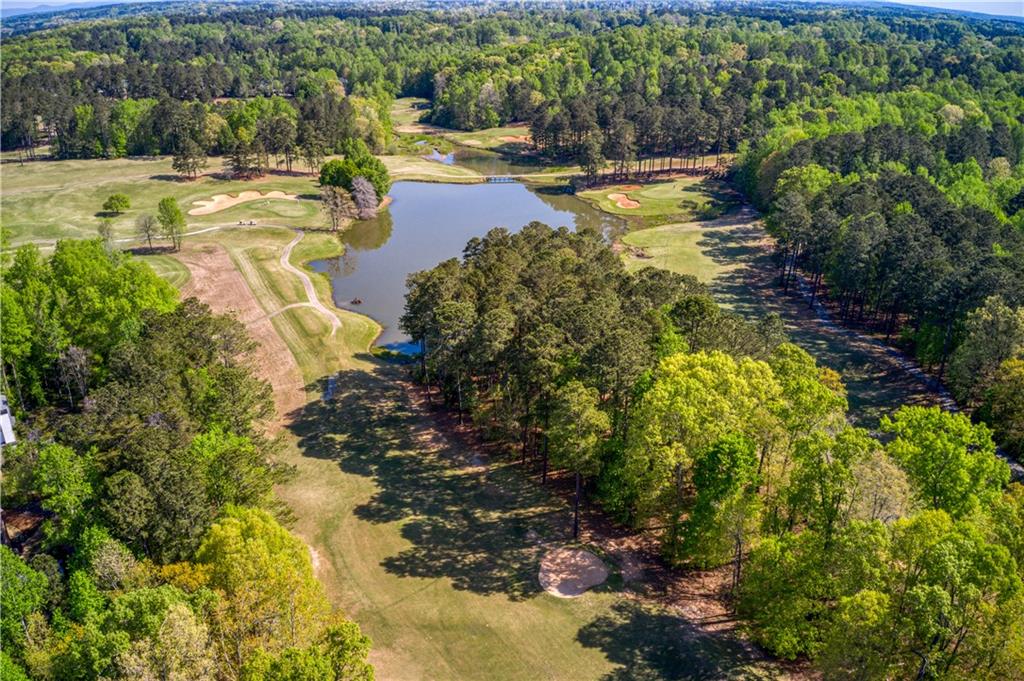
307	283
217	282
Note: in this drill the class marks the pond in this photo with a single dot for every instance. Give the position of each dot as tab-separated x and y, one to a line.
427	223
483	162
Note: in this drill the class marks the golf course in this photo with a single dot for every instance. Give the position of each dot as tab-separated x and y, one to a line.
431	543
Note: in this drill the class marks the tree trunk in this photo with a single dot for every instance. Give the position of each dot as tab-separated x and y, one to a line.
576	510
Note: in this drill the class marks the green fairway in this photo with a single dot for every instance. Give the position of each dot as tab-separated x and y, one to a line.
44	201
48	200
657	202
731	254
675	247
437	557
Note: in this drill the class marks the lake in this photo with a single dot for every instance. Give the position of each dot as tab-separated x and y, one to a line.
427	223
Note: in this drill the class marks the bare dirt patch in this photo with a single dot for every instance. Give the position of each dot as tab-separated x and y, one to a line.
216	282
219	202
623	201
631	187
568	573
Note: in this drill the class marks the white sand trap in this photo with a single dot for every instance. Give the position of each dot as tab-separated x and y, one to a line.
623	201
568	573
219	202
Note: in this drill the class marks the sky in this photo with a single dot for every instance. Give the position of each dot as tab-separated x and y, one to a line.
1002	7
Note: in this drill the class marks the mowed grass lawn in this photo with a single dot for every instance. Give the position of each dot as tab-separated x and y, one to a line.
169	269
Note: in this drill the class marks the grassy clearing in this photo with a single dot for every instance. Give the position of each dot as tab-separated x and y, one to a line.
168	269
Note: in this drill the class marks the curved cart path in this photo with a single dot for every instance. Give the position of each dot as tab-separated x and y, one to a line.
307	283
217	282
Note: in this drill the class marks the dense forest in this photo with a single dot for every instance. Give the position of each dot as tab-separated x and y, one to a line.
160	554
879	559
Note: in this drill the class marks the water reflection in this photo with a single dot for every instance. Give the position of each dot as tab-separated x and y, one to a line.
447	159
427	223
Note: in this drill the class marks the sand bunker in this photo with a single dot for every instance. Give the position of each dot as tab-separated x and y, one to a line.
221	202
516	139
623	201
568	573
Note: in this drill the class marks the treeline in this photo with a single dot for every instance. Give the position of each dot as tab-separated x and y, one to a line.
258	134
906	212
143	481
876	560
650	79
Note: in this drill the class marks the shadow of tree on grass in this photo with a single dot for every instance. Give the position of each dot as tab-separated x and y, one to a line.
465	523
651	644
